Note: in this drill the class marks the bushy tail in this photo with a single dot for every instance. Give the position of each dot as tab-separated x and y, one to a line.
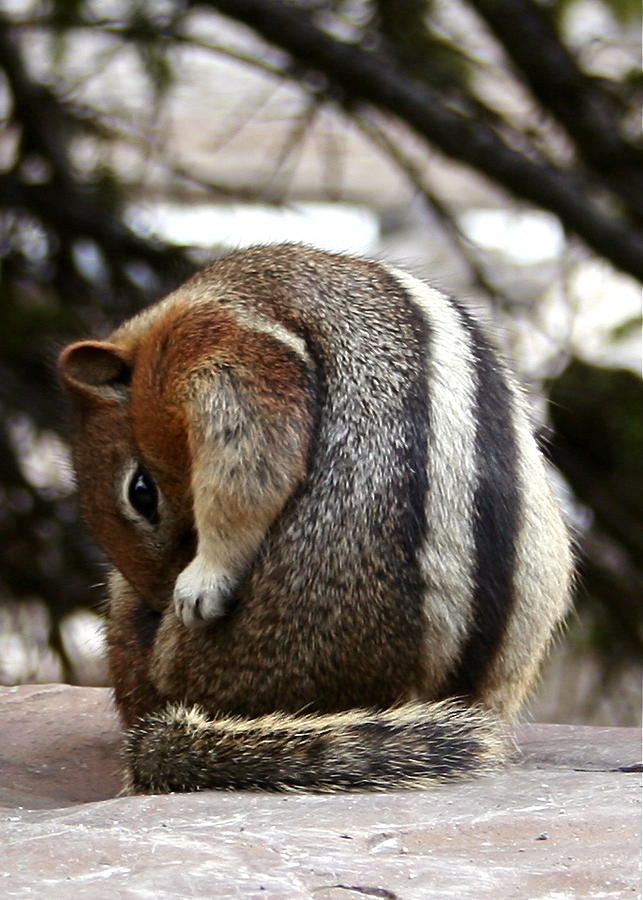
412	746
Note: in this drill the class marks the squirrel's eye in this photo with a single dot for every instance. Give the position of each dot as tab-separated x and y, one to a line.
143	495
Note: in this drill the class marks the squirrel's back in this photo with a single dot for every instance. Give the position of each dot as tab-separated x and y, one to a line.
321	493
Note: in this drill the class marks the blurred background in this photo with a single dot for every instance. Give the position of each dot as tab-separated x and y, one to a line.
490	146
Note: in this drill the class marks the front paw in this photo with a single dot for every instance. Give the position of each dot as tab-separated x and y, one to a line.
202	594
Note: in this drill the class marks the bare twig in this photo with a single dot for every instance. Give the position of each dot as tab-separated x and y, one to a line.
589	114
445	216
291	146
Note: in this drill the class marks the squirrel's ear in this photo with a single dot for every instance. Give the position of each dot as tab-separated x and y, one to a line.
95	370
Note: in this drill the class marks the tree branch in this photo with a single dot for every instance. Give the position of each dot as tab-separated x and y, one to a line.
589	114
44	121
364	77
48	126
82	215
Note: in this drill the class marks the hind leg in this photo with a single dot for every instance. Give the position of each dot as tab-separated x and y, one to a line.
132	626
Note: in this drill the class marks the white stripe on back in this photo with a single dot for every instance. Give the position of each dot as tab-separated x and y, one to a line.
448	555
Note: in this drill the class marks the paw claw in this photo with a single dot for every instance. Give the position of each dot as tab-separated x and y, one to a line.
201	594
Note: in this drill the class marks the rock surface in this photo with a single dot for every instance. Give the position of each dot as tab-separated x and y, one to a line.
564	822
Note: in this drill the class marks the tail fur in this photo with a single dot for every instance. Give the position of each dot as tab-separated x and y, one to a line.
412	746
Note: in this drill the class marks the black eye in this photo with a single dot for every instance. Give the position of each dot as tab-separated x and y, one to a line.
143	495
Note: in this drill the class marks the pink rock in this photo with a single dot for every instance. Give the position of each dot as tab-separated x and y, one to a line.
564	822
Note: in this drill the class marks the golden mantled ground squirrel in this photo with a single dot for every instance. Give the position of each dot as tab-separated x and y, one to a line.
328	518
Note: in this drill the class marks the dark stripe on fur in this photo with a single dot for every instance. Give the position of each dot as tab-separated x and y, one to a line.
495	516
410	494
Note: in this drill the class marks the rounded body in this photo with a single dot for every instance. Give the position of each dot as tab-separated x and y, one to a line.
342	502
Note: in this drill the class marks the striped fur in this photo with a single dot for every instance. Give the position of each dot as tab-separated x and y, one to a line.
352	514
184	749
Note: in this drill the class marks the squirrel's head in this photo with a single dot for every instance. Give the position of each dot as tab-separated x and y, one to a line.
192	427
135	492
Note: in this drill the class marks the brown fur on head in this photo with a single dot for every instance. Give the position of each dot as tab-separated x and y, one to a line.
106	389
154	397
